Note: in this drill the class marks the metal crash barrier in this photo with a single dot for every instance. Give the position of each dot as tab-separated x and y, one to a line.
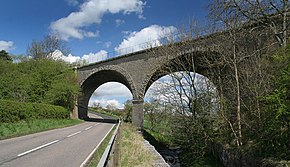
104	161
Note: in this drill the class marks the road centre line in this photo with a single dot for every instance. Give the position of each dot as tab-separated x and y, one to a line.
37	148
50	143
88	128
45	145
74	134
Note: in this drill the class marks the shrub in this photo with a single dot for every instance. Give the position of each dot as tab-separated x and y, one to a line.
41	81
11	111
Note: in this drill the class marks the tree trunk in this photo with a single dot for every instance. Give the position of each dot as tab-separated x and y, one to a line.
238	97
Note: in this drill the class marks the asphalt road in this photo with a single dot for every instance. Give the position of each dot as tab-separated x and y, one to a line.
66	147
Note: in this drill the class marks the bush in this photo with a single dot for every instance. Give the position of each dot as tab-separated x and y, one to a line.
11	111
41	81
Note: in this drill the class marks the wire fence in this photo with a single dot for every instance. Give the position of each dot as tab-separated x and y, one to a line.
165	39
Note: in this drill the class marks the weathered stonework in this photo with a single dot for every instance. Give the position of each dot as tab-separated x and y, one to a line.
137	71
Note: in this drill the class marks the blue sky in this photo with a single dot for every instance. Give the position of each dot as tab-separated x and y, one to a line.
24	21
93	28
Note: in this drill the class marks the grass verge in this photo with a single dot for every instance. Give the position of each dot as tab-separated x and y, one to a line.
102	111
100	150
132	150
9	130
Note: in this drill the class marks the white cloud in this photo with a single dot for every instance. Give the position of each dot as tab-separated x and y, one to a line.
104	44
127	33
91	34
6	45
95	57
119	22
108	44
57	54
72	2
146	38
91	12
164	88
113	89
88	58
113	93
105	102
71	59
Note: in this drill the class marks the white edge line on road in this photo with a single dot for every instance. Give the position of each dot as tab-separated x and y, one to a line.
96	124
71	135
88	128
94	150
37	148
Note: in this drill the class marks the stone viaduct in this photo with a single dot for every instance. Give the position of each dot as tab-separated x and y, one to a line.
137	71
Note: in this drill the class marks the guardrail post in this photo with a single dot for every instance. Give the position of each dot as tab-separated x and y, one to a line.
105	159
117	154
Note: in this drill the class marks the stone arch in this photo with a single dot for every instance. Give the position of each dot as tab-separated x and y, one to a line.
98	76
201	67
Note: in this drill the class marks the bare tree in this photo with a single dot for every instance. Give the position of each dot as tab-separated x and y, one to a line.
236	65
188	97
237	49
45	48
273	14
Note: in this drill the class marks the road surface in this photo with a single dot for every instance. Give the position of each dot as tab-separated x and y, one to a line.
66	147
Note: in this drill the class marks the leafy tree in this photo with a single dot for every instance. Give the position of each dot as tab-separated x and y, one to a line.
4	56
43	81
127	112
275	134
252	115
111	107
97	105
279	97
187	112
62	94
150	109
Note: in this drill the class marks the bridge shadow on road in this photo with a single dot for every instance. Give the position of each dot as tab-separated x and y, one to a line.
98	117
103	120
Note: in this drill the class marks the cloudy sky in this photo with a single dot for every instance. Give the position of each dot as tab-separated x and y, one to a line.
94	29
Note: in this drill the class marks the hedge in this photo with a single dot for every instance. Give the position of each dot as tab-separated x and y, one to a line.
11	111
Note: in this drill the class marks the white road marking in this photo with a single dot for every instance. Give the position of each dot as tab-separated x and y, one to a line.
53	142
88	128
37	148
94	150
74	134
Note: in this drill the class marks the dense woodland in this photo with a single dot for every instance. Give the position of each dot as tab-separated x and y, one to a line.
240	114
199	123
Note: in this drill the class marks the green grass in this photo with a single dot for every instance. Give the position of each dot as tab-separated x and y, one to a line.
132	150
108	113
100	150
160	130
9	130
159	135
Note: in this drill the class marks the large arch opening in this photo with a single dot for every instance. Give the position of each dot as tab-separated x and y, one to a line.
204	63
182	94
180	88
184	88
110	95
185	108
93	82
